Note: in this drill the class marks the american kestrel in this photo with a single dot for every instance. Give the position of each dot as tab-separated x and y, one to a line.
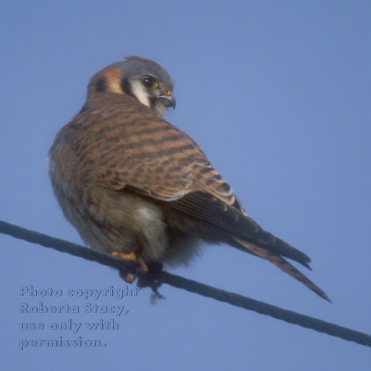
135	186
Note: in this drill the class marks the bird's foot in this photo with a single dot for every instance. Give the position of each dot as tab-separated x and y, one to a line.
152	279
131	257
148	275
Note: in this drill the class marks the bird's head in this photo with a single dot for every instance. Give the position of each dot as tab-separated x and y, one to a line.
140	78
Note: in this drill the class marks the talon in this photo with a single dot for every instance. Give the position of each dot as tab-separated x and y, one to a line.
133	258
142	265
129	278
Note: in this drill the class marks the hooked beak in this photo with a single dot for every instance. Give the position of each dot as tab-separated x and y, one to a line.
168	100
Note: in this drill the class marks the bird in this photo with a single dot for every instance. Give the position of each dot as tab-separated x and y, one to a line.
137	187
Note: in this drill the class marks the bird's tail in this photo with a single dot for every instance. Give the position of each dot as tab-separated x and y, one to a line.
282	264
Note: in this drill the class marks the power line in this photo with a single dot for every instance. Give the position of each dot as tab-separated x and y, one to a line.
189	285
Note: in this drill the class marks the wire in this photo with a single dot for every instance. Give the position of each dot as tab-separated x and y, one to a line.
190	285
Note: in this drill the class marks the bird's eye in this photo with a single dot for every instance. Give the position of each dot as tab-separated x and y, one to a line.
150	82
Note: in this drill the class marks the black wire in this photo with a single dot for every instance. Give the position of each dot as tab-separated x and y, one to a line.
190	285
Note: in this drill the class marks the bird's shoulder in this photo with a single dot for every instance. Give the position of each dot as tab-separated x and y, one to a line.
126	144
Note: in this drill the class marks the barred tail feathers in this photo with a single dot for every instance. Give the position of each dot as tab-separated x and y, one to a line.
284	265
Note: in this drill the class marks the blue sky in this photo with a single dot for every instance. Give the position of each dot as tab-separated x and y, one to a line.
277	94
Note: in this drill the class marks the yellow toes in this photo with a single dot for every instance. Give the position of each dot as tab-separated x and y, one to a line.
134	258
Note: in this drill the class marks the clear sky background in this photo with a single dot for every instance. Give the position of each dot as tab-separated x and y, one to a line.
277	93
